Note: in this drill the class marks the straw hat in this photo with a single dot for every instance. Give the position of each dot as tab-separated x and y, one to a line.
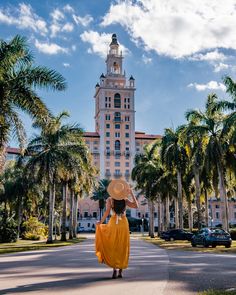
118	189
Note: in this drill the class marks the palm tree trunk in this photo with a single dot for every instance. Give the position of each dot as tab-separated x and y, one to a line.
64	211
223	196
198	194
51	213
2	157
71	214
159	216
206	208
151	218
190	215
19	216
75	215
176	212
180	199
167	201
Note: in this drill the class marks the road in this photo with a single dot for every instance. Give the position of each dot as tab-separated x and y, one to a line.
75	270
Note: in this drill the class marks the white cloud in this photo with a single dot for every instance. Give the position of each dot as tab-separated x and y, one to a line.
57	15
24	18
84	21
100	43
212	85
68	8
146	59
176	28
66	65
221	67
73	47
209	56
50	48
68	27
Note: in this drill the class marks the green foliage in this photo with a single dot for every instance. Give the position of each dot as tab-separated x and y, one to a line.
8	232
34	230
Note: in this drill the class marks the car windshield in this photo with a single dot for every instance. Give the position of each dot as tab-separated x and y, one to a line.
218	231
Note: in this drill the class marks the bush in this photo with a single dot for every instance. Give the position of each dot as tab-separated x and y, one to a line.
8	231
34	230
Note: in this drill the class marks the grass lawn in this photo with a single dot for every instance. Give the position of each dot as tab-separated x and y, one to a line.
186	246
220	292
25	245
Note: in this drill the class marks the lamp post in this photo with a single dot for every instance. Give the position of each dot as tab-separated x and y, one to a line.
142	226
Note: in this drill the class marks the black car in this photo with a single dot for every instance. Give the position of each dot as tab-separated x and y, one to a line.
212	237
176	234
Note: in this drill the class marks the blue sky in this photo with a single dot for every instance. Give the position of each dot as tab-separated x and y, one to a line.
178	52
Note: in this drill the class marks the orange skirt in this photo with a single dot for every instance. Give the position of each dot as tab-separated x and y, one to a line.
112	242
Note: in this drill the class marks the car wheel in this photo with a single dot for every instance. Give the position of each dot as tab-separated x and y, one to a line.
228	246
172	239
205	244
213	245
194	245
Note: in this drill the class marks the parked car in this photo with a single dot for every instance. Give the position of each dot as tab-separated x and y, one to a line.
212	237
81	229
176	234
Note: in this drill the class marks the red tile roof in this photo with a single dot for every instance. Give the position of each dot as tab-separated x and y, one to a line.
11	150
142	135
91	134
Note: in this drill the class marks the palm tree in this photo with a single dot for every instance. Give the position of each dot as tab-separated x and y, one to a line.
57	147
100	194
18	80
209	125
174	157
145	173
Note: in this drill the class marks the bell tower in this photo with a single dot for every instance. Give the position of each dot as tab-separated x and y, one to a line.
115	117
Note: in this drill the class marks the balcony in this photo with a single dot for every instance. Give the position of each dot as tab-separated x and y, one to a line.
117	174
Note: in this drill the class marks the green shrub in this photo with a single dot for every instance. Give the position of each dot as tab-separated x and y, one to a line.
8	231
34	229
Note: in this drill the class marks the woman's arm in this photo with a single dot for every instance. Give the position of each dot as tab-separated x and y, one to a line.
134	202
106	213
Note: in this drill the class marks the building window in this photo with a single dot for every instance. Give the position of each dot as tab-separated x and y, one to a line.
105	105
117	100
127	142
126	126
155	214
126	164
117	157
107	134
94	214
107	125
117	145
125	106
88	224
217	215
126	171
139	215
117	117
109	99
87	142
109	105
127	135
108	142
117	126
117	171
105	98
117	134
146	215
128	213
127	118
108	117
127	149
128	99
117	164
128	106
85	214
217	206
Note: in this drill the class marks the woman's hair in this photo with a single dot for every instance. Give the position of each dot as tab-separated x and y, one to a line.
119	206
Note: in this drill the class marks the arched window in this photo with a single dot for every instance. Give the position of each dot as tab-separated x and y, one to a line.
117	100
117	145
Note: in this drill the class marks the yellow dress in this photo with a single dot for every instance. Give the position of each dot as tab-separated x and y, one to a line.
112	242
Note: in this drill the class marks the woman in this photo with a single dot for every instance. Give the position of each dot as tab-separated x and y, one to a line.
112	239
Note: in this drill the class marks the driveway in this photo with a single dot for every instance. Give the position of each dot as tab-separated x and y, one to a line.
75	270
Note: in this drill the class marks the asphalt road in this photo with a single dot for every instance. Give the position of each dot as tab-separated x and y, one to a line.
75	270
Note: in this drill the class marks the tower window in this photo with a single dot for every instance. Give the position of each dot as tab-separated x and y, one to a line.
107	125
108	117
117	126
126	126
117	100
127	135
117	117
107	134
127	118
117	134
117	164
117	145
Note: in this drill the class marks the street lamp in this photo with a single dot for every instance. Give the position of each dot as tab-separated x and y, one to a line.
142	226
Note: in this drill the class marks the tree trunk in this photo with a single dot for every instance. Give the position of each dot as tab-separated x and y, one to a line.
71	214
64	211
167	201
180	199
19	217
51	213
223	197
2	157
75	215
151	218
159	216
176	213
190	215
206	208
198	194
